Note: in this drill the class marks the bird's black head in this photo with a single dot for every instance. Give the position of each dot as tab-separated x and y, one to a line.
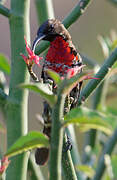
50	30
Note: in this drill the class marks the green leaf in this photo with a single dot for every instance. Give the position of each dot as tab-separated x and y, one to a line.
55	76
4	65
86	169
88	119
28	142
43	90
68	84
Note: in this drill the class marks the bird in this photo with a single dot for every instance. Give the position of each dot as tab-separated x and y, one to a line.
61	57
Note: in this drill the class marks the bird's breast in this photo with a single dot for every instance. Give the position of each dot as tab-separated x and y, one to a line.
59	56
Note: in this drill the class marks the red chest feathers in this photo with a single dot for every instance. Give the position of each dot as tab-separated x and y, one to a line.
60	52
59	57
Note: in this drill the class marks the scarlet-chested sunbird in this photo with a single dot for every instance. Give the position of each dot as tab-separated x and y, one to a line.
61	57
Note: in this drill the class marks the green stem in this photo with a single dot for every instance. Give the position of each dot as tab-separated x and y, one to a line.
34	169
56	138
107	150
16	108
45	11
92	84
68	21
4	11
67	164
104	93
76	12
97	96
90	137
75	155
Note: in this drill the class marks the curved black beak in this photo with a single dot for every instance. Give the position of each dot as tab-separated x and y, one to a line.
36	41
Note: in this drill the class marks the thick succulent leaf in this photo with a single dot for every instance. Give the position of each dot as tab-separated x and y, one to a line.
87	170
55	76
4	65
43	90
28	142
88	119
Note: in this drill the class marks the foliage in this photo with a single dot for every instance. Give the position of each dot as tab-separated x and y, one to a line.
98	122
30	141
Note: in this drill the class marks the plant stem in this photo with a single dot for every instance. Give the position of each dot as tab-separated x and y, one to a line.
68	21
76	12
34	169
75	155
45	11
67	164
104	93
56	138
107	150
4	11
16	107
90	137
92	84
97	96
